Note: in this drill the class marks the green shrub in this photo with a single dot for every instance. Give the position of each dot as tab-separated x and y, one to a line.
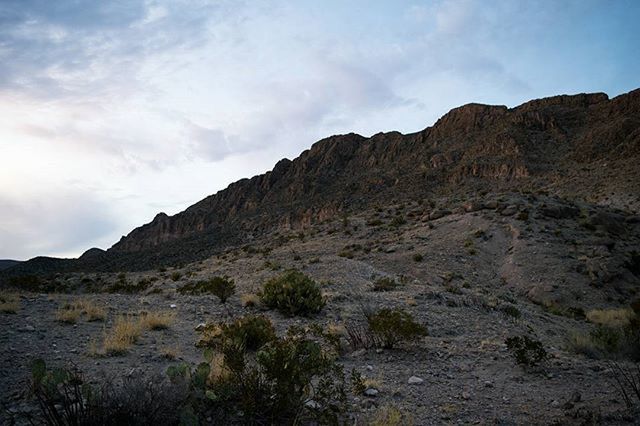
289	380
65	397
385	284
123	286
391	326
418	257
222	287
250	332
527	352
292	293
511	311
397	221
175	276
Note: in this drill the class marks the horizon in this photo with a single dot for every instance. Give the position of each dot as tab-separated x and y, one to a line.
115	112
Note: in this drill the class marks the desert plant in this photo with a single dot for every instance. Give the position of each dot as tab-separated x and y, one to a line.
292	293
9	302
250	332
511	311
250	300
389	415
223	287
175	276
627	382
65	397
124	333
527	352
385	284
417	257
611	317
392	326
156	320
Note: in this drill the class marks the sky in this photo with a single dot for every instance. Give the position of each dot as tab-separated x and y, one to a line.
113	111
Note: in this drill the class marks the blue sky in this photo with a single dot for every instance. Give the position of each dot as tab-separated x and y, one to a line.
113	111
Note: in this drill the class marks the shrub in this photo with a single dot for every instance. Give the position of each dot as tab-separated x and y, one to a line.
527	352
385	284
611	317
65	397
511	311
417	257
293	293
175	276
389	415
9	303
250	300
627	381
289	380
250	332
222	287
392	326
122	285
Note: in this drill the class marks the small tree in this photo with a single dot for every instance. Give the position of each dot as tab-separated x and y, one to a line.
293	293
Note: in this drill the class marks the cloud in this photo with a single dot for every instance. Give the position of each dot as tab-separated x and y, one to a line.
58	224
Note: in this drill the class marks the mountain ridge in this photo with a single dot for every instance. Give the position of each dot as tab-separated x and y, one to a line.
583	145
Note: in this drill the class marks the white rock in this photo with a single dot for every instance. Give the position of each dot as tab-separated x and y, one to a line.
371	392
415	380
370	367
200	326
173	306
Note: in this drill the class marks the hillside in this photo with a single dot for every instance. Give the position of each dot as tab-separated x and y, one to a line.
7	263
583	147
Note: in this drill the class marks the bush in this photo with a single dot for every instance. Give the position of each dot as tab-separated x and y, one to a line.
175	276
65	397
417	257
526	351
222	287
391	326
289	380
511	311
385	284
250	332
292	293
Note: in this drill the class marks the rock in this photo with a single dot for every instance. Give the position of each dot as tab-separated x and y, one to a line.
415	380
200	326
555	403
370	367
611	222
437	214
576	396
473	206
173	306
466	395
358	353
312	404
559	211
509	210
28	328
488	384
371	392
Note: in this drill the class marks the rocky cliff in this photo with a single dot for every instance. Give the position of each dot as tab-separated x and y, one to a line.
582	146
585	145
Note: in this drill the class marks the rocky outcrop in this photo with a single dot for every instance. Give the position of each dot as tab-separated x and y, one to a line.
549	142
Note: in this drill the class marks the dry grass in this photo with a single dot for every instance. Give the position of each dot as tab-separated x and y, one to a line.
125	332
170	352
611	317
68	315
372	383
9	302
156	320
249	300
218	371
390	416
70	312
337	330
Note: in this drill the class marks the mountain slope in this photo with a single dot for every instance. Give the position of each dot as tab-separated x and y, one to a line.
7	263
585	146
567	144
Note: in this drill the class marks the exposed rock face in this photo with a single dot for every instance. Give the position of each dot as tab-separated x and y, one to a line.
577	146
569	144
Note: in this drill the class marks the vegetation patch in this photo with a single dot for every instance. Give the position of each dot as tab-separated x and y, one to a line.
223	287
391	326
526	351
385	284
293	293
9	302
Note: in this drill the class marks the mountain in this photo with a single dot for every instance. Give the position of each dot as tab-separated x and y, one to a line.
7	263
583	146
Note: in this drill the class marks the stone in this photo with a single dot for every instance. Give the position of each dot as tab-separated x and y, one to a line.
200	326
173	306
415	380
371	392
437	214
509	210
